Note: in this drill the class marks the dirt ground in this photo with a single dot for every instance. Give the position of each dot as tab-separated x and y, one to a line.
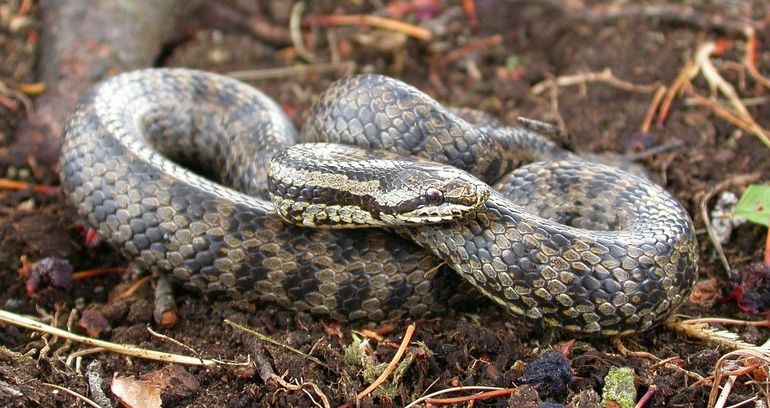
495	58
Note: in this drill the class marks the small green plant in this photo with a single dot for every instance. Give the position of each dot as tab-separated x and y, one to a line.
754	205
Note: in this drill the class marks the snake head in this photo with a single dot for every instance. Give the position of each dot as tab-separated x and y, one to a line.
334	186
444	194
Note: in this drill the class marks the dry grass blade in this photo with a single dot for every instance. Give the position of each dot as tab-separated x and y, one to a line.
74	394
605	76
392	365
762	355
450	390
344	68
372	21
277	343
126	349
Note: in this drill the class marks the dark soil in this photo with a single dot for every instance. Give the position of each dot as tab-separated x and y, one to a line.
483	346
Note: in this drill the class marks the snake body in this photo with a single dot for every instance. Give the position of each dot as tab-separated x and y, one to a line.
576	245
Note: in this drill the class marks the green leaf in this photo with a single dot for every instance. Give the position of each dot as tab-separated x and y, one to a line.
754	205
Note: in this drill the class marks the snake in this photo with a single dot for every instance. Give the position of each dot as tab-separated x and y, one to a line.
203	179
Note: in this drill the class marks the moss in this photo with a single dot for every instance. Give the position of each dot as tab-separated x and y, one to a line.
619	387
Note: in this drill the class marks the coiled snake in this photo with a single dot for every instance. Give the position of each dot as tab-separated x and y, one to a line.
576	245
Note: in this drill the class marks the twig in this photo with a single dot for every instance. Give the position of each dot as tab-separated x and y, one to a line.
750	57
126	349
9	184
345	67
470	398
618	343
756	353
91	273
175	341
705	332
689	70
74	394
711	74
135	287
392	365
299	387
472	46
720	320
656	99
737	180
605	76
6	91
646	397
728	387
667	364
449	390
296	34
80	353
752	399
369	20
739	121
267	339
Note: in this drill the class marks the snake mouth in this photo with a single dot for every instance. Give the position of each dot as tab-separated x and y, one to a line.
435	214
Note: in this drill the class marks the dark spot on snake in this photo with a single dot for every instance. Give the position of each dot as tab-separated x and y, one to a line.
301	281
590	283
611	286
352	293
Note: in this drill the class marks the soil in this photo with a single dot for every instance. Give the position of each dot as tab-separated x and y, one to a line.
482	345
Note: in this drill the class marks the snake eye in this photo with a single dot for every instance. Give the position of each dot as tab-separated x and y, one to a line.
434	196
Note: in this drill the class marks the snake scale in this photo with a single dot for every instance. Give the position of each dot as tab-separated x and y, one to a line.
577	245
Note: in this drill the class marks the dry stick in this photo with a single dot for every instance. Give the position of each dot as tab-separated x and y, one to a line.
392	365
744	402
296	33
267	339
91	273
448	390
9	184
293	387
131	291
74	394
646	397
749	58
618	343
740	179
472	46
757	353
667	364
347	67
719	320
656	99
712	76
689	70
709	334
126	349
469	398
175	341
372	21
20	96
605	76
745	123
